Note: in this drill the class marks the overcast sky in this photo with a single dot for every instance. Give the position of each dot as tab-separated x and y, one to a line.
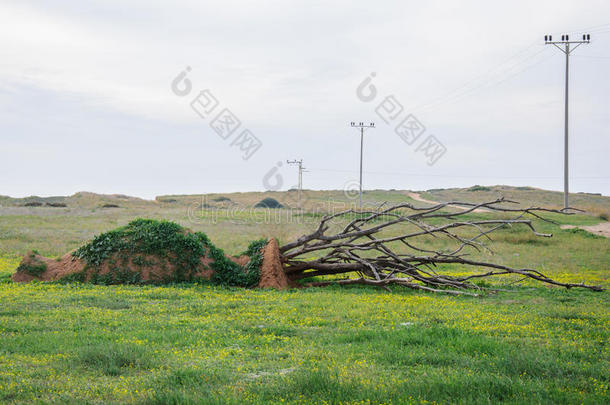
86	99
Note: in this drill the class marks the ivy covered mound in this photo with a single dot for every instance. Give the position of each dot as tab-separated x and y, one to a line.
147	251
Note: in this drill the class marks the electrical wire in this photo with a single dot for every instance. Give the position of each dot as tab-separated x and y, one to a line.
482	77
504	76
475	79
490	79
455	176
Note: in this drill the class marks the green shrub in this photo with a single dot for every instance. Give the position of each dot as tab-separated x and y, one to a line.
56	204
255	252
268	203
163	239
127	246
35	270
227	272
479	188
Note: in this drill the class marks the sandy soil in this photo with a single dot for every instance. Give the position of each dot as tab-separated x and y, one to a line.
272	271
155	270
602	229
56	269
418	197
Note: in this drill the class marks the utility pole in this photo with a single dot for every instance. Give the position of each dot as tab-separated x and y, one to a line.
301	170
362	127
564	46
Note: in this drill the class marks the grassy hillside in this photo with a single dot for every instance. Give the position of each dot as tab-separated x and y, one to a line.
526	196
187	343
81	200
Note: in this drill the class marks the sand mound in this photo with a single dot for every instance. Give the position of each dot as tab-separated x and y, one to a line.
36	267
272	271
116	270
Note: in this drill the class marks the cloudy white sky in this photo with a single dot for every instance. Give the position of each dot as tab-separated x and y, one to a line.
86	100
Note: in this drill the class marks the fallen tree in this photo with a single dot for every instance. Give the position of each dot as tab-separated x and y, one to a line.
381	247
367	247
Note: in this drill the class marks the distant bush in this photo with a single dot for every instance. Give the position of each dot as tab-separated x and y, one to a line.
479	188
221	199
58	205
604	216
33	204
583	233
110	206
269	203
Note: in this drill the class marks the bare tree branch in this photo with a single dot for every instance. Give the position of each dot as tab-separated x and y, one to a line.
366	246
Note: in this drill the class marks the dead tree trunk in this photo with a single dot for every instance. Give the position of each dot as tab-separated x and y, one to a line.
387	246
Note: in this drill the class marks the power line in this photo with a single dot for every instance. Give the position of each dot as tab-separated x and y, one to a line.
412	174
593	56
301	170
479	81
490	79
473	80
490	82
566	49
362	127
593	29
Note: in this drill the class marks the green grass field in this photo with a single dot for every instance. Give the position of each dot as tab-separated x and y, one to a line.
181	344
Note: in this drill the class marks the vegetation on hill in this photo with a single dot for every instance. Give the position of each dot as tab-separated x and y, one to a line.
151	251
591	203
227	272
269	202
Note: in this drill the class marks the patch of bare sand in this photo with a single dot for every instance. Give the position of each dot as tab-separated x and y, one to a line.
418	197
602	229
